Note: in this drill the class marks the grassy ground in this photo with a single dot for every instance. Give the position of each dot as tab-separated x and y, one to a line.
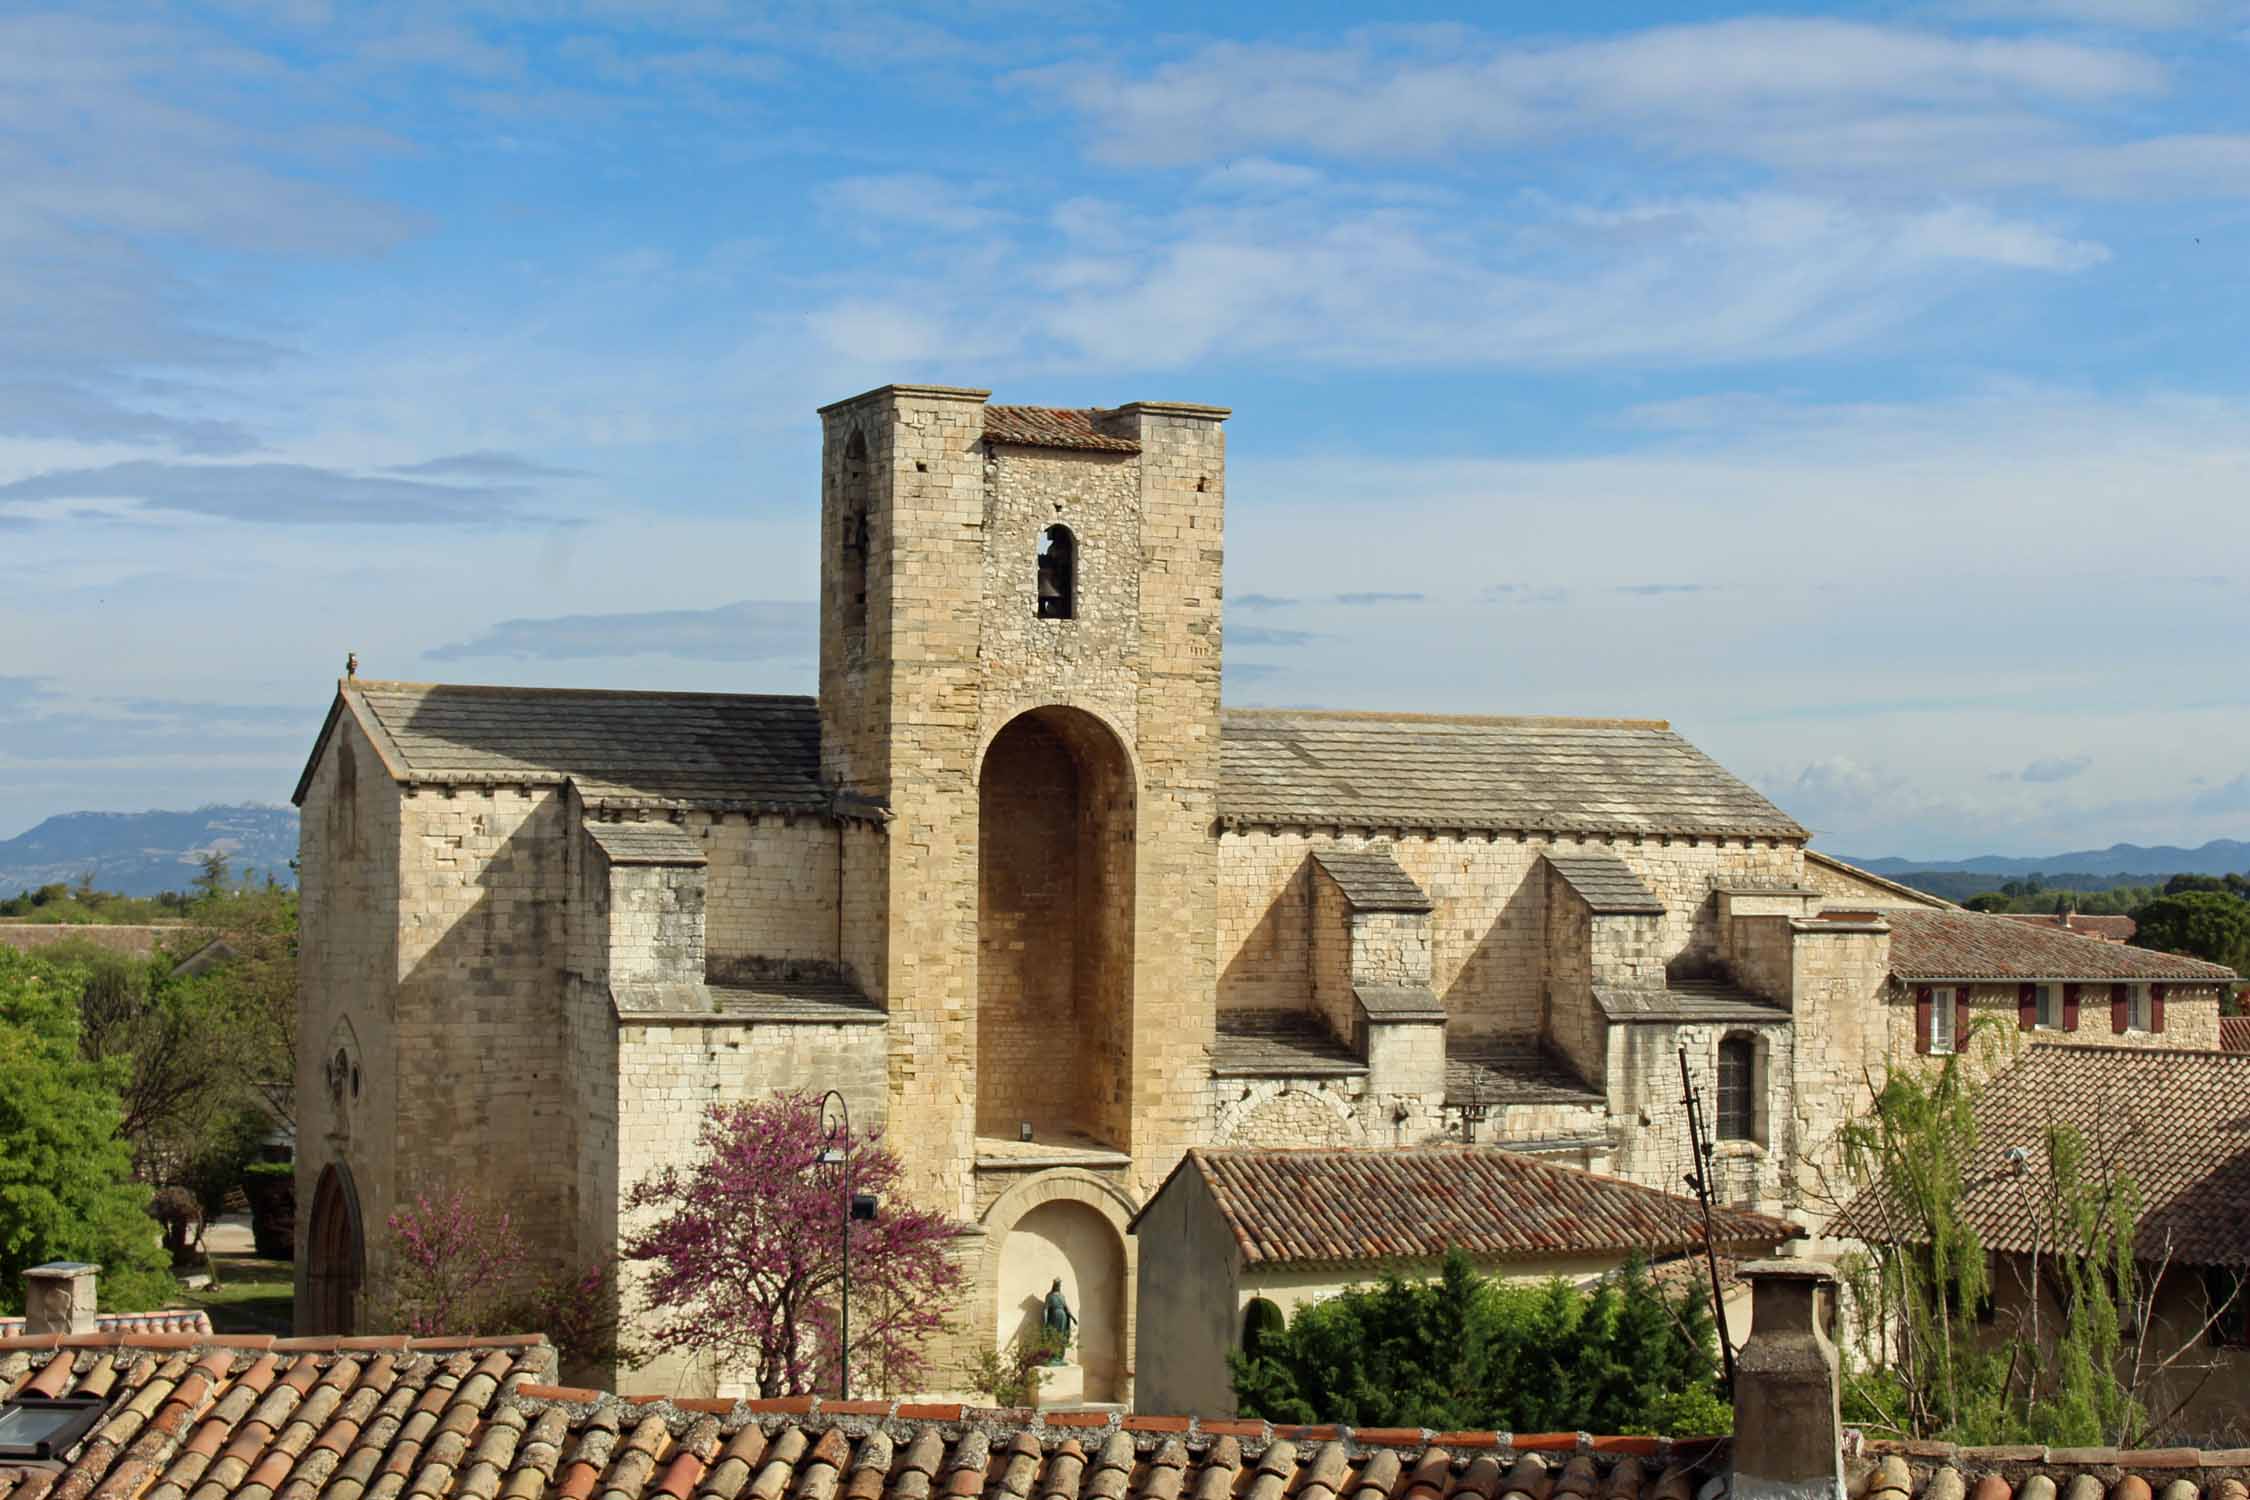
247	1295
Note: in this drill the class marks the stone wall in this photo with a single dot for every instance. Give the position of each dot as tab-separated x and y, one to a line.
1330	966
1850	889
1489	942
484	883
1649	1116
773	889
348	892
1031	1032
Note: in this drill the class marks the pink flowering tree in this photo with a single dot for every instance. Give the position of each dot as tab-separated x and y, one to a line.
454	1262
743	1252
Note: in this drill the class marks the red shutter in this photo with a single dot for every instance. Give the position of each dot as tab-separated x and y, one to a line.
2156	1007
1922	995
2120	1010
1961	1019
2027	1006
2070	1007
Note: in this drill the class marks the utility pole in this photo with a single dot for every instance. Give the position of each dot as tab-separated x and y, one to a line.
1700	1153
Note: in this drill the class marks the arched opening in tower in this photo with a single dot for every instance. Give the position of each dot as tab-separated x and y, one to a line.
1055	932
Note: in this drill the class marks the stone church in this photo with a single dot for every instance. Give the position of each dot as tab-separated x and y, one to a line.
1020	887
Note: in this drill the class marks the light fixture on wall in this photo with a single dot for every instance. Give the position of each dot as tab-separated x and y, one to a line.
1023	1131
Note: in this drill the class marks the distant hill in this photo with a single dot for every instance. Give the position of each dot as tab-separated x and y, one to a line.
140	854
2219	857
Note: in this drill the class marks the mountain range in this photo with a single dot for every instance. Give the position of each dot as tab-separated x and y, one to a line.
2218	857
143	853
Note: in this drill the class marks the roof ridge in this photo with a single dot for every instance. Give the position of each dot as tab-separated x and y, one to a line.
364	683
1542	721
265	1343
2111	1049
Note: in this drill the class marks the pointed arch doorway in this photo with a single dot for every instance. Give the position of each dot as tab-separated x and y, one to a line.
335	1255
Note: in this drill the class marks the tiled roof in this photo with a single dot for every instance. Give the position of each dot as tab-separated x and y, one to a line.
1688	1000
2177	1121
1051	427
713	750
170	1320
1415	1203
646	843
2234	1033
2110	929
1294	768
1511	1070
1371	879
1605	884
1978	945
389	1419
824	1000
1279	1044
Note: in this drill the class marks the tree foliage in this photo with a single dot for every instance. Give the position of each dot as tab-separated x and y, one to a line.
1939	1359
743	1252
66	1188
2208	924
1467	1352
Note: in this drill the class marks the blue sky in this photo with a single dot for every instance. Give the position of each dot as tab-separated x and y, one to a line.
1863	390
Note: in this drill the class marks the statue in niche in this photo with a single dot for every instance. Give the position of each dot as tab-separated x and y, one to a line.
1057	1320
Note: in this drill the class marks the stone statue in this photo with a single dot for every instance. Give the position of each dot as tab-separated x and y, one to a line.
1057	1320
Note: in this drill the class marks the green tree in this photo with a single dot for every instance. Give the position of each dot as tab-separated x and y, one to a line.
1987	901
2209	925
66	1187
1465	1352
211	880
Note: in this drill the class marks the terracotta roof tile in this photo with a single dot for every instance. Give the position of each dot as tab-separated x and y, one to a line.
2110	929
1415	1203
2234	1033
2176	1120
1053	427
1978	945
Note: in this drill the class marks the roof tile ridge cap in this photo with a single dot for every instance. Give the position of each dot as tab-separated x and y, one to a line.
497	689
1377	715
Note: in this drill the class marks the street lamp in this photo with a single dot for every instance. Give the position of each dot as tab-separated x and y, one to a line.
838	1153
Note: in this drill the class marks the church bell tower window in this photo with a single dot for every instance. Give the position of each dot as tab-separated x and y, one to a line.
854	541
1058	574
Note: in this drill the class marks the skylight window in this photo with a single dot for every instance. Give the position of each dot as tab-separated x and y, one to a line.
44	1427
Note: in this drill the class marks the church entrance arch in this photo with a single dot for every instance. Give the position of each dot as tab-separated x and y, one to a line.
336	1254
1069	1228
1055	852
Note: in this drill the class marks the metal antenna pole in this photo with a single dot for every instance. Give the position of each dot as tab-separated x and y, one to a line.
841	1149
1700	1179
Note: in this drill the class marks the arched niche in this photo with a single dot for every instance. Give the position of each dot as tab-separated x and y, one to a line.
1067	1225
1055	930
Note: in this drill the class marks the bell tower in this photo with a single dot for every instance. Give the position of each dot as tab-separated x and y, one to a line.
1020	635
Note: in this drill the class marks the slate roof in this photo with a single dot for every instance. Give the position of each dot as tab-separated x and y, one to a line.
1296	768
825	1001
1399	1002
714	750
1605	884
1412	1203
1279	1044
2234	1033
646	843
2110	929
1979	945
746	752
2176	1120
1371	878
1051	427
1688	1000
253	1418
1511	1070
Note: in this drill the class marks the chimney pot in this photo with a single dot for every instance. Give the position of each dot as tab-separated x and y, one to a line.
58	1297
1788	1426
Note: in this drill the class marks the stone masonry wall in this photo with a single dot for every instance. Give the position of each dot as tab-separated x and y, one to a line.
1648	1113
483	1058
1391	947
1488	934
347	983
655	922
1572	1021
772	889
1030	1033
1331	959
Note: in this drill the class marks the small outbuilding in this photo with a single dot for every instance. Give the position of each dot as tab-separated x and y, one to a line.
1232	1227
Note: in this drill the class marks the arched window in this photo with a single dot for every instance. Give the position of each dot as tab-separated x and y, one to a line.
1737	1114
1058	574
852	543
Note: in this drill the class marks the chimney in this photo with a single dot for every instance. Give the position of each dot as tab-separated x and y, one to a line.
58	1297
1788	1430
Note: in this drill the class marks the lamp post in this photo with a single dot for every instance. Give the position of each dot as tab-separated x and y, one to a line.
838	1153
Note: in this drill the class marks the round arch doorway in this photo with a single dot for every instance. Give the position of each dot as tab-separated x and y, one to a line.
335	1255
